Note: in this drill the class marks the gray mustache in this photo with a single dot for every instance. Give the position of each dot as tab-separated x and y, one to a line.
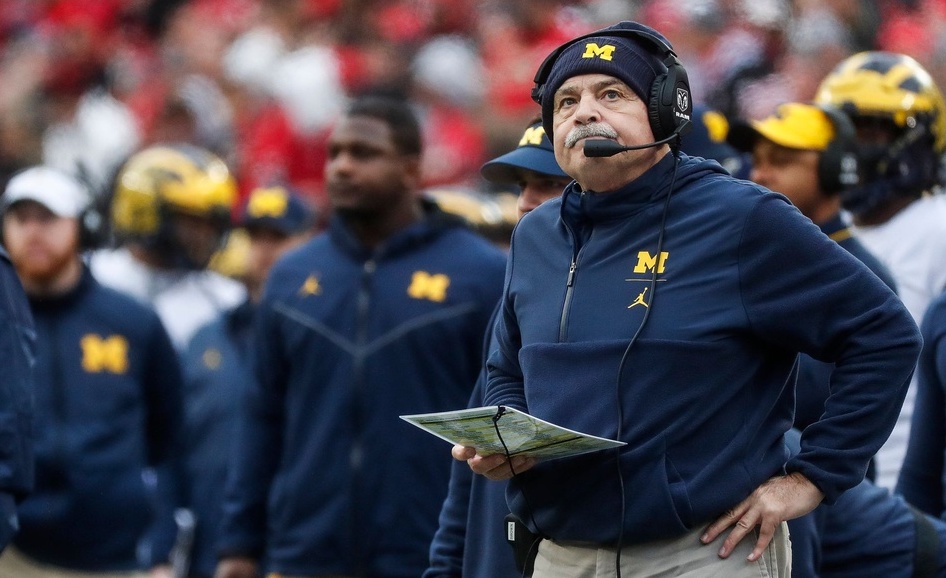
589	130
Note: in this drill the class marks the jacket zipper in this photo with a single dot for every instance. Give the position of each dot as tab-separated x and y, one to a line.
356	457
568	299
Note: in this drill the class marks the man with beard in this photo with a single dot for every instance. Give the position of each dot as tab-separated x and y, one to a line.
107	400
382	315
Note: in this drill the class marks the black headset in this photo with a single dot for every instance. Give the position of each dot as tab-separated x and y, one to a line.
837	165
671	102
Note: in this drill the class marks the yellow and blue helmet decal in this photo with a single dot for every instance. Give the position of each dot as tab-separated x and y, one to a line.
889	85
181	178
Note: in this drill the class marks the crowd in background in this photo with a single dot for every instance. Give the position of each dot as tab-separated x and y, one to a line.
83	85
261	83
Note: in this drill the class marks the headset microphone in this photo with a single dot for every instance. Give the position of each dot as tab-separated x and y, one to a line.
609	148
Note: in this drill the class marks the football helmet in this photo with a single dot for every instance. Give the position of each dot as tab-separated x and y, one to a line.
892	93
160	182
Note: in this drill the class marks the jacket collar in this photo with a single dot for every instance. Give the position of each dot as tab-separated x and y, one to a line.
581	206
65	300
433	223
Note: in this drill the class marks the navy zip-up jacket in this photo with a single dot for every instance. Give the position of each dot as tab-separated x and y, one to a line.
217	371
705	393
17	357
108	407
348	339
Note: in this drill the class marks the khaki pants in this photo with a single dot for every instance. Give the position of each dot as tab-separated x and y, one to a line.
16	564
682	557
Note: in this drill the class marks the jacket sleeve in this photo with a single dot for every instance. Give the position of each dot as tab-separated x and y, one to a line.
867	532
17	352
504	382
258	447
163	382
17	356
923	474
803	292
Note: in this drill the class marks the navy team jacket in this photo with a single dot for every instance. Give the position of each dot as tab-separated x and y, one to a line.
108	407
705	393
348	339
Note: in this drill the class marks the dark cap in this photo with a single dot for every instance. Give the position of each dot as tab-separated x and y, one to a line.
708	139
277	208
534	153
634	62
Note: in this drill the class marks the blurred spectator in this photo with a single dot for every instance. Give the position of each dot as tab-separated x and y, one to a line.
817	40
447	88
89	132
287	82
514	38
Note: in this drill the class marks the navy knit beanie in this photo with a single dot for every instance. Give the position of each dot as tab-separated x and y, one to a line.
635	62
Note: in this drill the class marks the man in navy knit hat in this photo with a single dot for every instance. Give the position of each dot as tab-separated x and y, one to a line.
663	303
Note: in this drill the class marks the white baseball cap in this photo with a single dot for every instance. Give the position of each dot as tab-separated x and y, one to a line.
54	189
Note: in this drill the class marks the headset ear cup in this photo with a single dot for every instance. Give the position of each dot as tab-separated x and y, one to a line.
91	228
838	165
655	110
671	104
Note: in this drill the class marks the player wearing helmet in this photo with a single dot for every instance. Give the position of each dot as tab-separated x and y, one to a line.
170	213
900	121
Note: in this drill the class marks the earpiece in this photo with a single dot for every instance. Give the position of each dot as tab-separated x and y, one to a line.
670	104
91	228
837	166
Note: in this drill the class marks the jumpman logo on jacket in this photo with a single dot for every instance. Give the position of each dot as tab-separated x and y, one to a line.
640	299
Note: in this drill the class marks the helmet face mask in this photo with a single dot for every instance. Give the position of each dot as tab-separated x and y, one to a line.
900	115
161	185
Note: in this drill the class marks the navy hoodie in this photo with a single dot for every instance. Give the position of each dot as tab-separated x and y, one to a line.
327	475
705	392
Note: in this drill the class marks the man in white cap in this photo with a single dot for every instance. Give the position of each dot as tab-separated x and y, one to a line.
107	400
